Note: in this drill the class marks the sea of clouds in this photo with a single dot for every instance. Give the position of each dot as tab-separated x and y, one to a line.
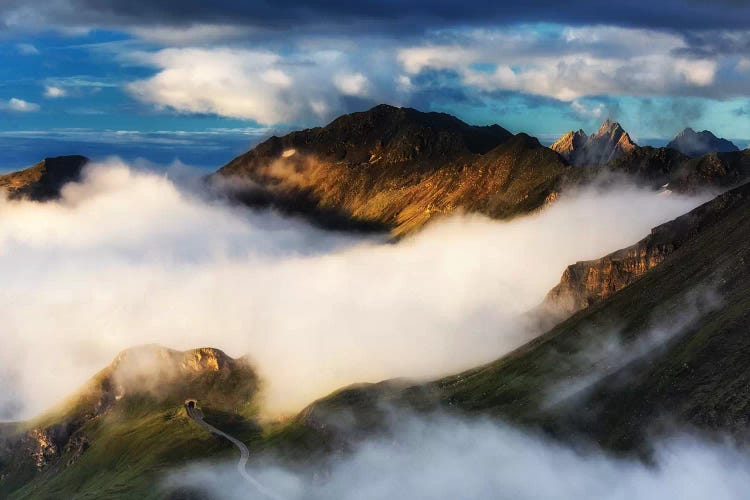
128	256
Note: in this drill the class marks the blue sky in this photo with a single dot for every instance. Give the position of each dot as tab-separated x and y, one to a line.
169	80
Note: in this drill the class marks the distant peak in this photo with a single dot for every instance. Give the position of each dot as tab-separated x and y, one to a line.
692	143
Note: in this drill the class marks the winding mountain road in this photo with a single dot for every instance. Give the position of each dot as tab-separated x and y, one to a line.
197	415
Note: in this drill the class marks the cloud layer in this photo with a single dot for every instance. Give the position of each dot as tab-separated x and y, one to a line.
127	258
583	61
447	458
311	79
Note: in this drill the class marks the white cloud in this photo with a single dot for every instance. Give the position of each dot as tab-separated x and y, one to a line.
593	111
27	49
449	458
307	83
246	84
127	258
579	62
226	82
53	92
354	84
18	105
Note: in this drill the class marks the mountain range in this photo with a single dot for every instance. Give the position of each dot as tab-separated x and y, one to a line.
656	328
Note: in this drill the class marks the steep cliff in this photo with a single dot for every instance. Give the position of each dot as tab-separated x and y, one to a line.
588	282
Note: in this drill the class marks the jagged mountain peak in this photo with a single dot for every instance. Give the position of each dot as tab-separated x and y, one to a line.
609	127
608	143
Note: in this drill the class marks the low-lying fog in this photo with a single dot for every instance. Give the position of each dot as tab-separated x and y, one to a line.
127	257
441	458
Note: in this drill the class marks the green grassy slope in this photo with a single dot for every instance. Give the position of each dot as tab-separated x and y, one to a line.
117	436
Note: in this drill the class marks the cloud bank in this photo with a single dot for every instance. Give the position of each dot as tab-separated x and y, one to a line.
448	458
127	257
575	62
261	85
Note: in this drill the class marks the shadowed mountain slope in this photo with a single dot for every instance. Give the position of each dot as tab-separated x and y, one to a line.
44	180
692	143
674	171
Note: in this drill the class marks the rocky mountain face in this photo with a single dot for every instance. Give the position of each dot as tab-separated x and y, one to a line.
397	168
589	282
138	386
693	144
569	143
44	180
607	144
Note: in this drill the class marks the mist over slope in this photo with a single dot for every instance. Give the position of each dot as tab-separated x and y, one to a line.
667	351
126	257
444	457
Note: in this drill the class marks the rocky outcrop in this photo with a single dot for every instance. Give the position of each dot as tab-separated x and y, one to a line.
44	180
694	144
589	282
397	169
607	144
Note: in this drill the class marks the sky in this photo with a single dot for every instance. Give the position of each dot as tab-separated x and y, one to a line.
204	81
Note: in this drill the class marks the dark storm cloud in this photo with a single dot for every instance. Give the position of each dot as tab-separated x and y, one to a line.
715	43
378	15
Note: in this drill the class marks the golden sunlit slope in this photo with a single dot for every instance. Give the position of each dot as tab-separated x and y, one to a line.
398	168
